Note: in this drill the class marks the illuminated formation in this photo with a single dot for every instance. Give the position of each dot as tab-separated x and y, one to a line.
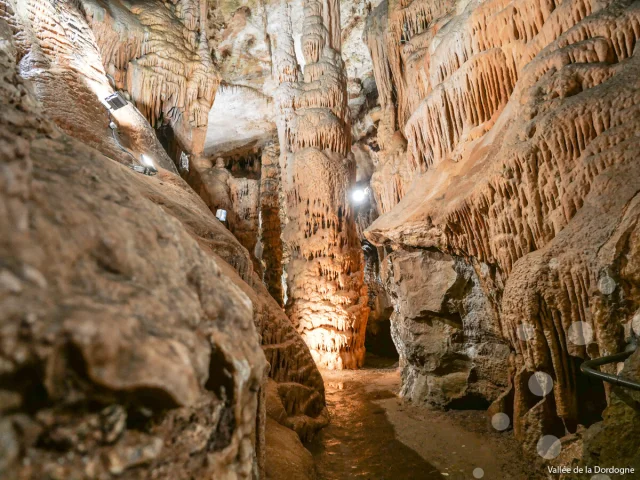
160	55
326	297
79	53
204	201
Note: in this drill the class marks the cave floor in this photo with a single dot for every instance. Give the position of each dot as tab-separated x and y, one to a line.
375	435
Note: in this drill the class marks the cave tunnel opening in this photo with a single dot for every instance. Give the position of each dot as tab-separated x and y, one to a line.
378	337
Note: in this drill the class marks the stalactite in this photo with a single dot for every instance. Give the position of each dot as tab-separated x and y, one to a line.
167	71
518	117
326	295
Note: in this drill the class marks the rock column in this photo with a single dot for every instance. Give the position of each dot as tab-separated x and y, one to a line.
327	300
270	225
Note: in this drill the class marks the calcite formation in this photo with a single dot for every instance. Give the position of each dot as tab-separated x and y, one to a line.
298	382
156	53
159	53
134	327
141	337
57	51
126	348
520	120
237	195
326	296
245	200
243	109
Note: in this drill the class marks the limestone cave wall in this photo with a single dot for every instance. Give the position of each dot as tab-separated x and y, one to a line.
143	338
102	272
157	54
446	331
137	336
508	137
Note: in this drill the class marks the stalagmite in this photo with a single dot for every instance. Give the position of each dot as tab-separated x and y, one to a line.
326	296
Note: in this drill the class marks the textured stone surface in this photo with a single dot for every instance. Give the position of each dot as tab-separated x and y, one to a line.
244	46
159	53
327	299
132	319
445	331
378	339
286	456
520	120
502	156
58	52
156	53
271	222
119	326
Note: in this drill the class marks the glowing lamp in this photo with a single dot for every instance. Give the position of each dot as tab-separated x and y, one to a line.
221	215
359	195
147	167
146	160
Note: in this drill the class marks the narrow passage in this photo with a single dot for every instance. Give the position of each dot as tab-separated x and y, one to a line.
375	435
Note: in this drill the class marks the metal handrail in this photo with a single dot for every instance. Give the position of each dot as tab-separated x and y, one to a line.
587	368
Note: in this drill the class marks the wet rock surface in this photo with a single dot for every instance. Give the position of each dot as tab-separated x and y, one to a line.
375	434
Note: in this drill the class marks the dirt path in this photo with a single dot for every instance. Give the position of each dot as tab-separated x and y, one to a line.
375	435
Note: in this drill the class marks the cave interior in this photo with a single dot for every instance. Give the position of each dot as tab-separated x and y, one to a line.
319	239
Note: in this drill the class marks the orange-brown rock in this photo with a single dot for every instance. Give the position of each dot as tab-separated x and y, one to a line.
119	324
520	119
326	295
270	222
132	320
57	51
159	53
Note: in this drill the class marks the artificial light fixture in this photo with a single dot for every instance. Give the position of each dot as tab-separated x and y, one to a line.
147	167
150	171
221	215
184	162
116	101
359	195
146	160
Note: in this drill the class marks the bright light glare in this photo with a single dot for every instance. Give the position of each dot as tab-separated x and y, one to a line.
146	160
359	195
221	214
